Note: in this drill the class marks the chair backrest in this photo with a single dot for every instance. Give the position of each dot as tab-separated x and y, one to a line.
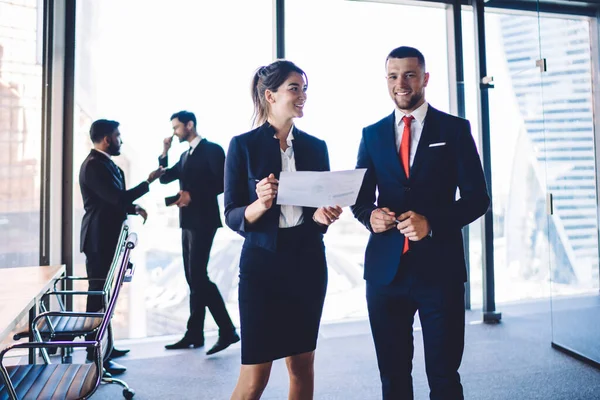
103	333
118	251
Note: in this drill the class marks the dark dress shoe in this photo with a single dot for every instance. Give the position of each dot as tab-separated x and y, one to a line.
185	343
118	353
223	342
114	368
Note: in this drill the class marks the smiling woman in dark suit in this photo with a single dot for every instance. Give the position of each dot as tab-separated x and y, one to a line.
283	271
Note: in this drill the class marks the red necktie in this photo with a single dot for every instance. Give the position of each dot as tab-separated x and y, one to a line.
405	157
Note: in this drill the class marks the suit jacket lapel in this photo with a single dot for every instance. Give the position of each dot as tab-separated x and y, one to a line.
429	129
113	168
273	152
186	157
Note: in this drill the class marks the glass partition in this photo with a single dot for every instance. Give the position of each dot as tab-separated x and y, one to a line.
20	131
570	158
518	172
518	180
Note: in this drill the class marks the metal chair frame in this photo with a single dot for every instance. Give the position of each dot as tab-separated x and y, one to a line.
102	344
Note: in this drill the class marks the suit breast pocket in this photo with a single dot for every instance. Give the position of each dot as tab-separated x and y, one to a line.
438	160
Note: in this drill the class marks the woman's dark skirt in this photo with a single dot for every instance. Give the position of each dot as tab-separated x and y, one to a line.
281	296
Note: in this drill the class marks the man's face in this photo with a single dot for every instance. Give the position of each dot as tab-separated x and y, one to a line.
114	143
181	130
406	82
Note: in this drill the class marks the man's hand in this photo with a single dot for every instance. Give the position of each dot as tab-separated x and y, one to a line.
141	212
266	190
154	175
167	145
382	219
327	215
184	199
414	226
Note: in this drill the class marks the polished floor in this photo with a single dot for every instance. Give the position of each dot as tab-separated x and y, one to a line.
509	361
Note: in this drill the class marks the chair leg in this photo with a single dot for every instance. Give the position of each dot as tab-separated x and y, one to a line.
66	355
128	393
38	338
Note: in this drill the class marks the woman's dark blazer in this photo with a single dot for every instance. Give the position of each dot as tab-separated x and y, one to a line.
254	155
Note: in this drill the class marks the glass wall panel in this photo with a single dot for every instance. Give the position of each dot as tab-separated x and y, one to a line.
518	177
20	131
570	159
138	62
343	52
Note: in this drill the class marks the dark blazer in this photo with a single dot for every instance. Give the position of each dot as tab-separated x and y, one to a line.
252	157
105	201
202	176
436	174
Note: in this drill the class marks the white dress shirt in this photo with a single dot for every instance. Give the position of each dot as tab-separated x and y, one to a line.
290	215
195	143
416	128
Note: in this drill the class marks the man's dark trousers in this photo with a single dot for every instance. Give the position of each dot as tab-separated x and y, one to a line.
442	314
203	293
97	265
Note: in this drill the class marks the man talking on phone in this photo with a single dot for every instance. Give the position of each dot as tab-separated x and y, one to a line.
200	173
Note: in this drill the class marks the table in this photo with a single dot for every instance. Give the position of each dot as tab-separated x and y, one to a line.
20	291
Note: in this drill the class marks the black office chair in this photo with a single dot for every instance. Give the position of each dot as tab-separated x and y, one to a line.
61	293
54	327
66	381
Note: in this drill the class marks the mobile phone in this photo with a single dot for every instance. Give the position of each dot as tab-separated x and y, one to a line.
171	199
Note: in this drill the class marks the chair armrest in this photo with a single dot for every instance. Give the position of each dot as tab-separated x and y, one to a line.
67	293
74	293
37	345
74	278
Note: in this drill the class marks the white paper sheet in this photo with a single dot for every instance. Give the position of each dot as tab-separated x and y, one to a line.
319	189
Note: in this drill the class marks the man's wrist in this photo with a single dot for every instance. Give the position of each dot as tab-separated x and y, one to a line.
317	222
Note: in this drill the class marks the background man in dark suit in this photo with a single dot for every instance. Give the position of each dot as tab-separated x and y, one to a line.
200	173
416	159
106	203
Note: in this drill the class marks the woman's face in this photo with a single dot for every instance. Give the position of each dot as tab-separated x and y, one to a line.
288	101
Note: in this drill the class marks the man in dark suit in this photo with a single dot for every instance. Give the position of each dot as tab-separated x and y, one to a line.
416	159
200	174
106	203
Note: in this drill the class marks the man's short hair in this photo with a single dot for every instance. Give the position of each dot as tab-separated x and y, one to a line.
184	117
407	52
102	128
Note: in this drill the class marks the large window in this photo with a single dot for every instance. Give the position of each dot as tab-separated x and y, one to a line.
343	52
20	127
137	63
